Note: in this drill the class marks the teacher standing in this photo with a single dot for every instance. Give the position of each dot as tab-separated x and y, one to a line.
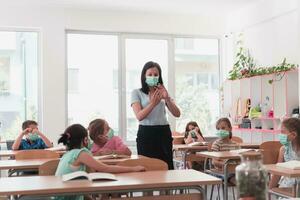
154	137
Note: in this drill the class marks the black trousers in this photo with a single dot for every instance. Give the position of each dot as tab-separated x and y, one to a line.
155	142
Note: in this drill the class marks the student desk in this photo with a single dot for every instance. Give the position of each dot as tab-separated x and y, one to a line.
186	149
126	182
281	171
229	156
35	163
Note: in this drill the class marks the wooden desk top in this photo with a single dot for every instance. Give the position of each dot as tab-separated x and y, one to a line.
249	146
49	185
185	147
274	169
35	163
11	153
219	154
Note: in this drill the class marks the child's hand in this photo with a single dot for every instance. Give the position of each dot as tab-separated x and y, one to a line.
26	131
139	169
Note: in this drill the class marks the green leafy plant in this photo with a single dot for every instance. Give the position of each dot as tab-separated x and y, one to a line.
244	64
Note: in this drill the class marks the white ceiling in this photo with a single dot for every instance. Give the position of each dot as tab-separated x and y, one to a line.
199	7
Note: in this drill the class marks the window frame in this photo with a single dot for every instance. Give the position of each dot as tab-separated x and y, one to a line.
38	31
122	36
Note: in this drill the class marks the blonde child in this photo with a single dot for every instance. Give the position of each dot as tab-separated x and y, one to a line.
290	139
104	140
34	139
78	157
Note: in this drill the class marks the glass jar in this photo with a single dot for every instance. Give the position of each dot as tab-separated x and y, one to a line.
251	177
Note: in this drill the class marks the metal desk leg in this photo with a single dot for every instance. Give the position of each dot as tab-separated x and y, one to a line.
225	193
184	159
297	188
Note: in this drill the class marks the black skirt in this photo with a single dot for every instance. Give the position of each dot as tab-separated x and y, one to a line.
155	142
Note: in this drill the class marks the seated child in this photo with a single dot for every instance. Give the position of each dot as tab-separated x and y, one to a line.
34	139
104	140
78	157
192	133
224	142
290	139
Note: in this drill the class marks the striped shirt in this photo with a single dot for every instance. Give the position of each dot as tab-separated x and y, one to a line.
221	145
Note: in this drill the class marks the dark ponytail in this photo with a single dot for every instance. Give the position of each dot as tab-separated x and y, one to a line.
73	136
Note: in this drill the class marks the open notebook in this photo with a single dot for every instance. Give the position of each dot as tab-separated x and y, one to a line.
90	176
198	144
292	164
110	156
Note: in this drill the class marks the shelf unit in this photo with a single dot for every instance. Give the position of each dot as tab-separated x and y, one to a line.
281	96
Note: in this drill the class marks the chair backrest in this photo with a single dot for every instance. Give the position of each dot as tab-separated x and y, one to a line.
179	139
9	144
270	151
48	168
151	164
36	154
237	139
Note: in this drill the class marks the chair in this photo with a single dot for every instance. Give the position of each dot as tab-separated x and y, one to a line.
36	154
48	168
178	138
237	139
32	154
270	151
9	144
151	164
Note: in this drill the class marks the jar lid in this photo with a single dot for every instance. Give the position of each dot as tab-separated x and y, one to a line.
251	155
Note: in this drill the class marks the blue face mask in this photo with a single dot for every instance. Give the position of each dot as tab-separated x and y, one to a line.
152	80
222	133
33	136
110	133
283	139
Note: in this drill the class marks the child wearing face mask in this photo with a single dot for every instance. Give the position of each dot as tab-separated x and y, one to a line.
192	133
78	157
34	139
224	142
290	139
104	140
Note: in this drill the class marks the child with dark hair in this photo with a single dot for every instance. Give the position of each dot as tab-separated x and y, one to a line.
78	157
105	142
193	133
34	139
290	139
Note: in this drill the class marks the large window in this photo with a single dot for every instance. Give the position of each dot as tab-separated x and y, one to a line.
104	69
18	81
93	78
197	82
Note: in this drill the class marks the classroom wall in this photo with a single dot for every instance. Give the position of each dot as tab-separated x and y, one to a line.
52	22
270	30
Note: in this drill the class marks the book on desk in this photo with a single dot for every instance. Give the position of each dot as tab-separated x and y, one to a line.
96	176
292	164
110	156
198	144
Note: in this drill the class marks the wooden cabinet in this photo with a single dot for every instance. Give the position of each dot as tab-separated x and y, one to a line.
281	96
